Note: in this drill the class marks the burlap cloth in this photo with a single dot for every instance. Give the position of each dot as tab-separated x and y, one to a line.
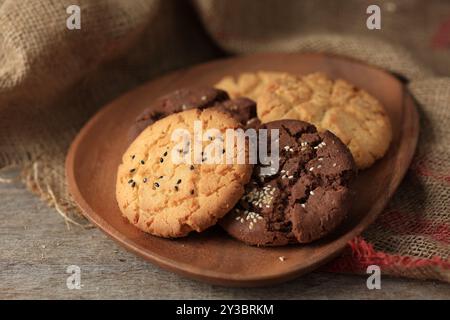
53	79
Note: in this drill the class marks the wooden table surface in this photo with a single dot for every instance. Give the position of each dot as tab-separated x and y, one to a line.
36	248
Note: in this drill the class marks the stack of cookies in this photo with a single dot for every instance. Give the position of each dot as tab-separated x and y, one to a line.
182	172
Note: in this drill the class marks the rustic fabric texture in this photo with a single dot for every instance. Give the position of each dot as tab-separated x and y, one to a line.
53	79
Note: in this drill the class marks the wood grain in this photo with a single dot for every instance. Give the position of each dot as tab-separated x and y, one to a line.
36	248
213	256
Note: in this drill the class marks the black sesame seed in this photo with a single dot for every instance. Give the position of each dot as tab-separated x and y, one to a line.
192	191
142	162
132	170
176	188
145	180
223	150
156	184
161	177
165	154
130	181
179	181
161	160
133	184
192	167
133	156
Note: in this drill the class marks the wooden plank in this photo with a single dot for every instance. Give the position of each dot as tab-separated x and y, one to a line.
36	248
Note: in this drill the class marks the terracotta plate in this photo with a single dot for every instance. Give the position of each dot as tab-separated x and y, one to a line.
213	256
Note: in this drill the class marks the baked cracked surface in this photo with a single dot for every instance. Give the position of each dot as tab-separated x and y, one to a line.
305	199
170	199
247	84
243	109
352	114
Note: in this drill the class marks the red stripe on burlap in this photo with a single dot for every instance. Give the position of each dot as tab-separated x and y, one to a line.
405	223
441	39
421	168
360	254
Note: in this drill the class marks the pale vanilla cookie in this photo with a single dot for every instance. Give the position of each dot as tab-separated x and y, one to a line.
247	84
352	114
163	196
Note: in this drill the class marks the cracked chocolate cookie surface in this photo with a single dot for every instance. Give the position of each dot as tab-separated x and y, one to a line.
305	199
243	109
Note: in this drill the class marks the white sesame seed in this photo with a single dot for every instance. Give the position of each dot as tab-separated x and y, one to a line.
281	258
303	205
311	192
311	169
290	177
319	166
334	164
320	159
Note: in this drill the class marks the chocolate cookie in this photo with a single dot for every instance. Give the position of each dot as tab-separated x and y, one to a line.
302	201
242	109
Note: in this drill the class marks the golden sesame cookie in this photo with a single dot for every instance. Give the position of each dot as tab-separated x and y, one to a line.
165	197
247	84
352	114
